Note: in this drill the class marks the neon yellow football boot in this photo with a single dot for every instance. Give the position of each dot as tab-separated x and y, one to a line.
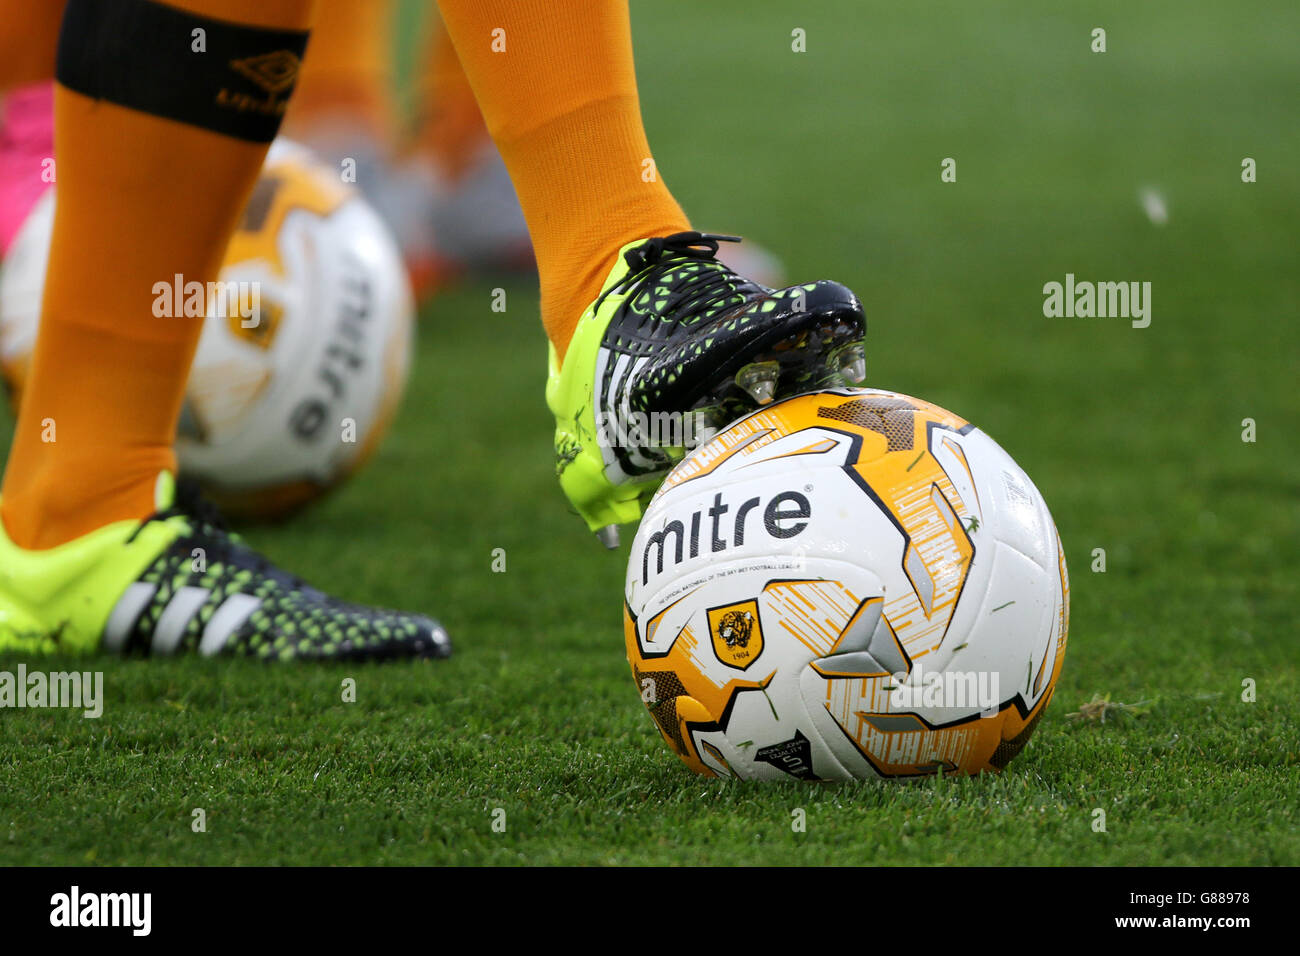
178	582
676	346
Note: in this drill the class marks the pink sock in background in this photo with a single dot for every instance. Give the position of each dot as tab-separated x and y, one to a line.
26	143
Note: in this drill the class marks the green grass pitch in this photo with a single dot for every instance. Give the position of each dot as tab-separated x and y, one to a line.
832	159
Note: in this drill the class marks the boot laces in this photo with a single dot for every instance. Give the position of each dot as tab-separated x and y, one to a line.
655	257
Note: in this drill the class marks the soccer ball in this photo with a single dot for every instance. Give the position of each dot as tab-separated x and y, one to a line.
305	346
846	585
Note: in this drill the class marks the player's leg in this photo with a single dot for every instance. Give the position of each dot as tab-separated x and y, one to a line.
556	85
474	223
344	109
151	180
163	113
28	34
345	90
641	315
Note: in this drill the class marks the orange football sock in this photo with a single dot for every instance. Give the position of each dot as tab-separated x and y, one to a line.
140	199
347	74
28	40
449	126
555	82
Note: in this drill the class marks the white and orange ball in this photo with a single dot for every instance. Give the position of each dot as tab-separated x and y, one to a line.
847	585
305	348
